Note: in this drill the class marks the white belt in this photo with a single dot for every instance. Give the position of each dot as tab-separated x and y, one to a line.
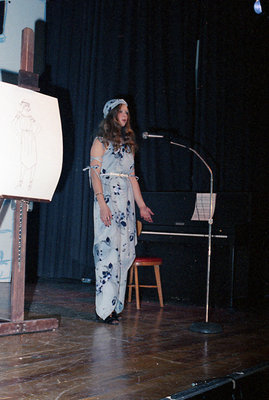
116	174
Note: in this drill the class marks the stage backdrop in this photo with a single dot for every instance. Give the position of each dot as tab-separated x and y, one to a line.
191	69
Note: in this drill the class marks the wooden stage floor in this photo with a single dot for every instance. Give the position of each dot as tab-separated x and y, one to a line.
150	355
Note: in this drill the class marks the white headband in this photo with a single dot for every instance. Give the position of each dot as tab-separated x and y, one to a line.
110	104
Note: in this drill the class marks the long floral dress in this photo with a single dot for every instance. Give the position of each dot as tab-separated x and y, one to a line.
114	245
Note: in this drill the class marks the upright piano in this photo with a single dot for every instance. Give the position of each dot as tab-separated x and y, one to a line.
179	234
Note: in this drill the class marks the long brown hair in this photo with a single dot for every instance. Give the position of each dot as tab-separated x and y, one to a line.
111	131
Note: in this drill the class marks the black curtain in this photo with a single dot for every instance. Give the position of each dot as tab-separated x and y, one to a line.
187	69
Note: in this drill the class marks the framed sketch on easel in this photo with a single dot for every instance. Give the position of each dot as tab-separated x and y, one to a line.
31	150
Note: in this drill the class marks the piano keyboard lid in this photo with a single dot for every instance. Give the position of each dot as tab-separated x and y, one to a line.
189	208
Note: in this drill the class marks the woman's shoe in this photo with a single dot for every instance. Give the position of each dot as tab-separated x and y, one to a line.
116	316
109	320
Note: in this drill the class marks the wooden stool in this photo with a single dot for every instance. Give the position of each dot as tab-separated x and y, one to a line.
145	262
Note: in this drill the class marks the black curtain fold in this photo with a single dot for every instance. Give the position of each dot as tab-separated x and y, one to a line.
145	51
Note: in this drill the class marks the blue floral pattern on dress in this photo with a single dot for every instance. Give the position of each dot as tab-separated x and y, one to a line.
114	246
117	189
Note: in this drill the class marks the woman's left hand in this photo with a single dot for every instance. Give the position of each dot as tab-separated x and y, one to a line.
146	213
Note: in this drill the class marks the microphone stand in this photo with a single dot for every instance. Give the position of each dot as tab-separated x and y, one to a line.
205	327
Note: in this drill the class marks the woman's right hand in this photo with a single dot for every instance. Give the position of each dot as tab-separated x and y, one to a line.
105	214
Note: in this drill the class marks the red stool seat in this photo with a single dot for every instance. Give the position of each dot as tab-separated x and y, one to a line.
153	260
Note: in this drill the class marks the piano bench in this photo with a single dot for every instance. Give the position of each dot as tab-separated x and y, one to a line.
144	262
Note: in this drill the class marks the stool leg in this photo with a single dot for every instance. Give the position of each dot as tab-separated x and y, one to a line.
159	285
136	287
131	274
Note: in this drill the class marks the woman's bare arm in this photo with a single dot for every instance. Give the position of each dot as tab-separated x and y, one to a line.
145	212
97	152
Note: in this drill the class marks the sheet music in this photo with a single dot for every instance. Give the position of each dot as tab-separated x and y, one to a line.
202	207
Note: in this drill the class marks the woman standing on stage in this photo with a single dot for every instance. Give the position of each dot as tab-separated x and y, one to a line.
116	188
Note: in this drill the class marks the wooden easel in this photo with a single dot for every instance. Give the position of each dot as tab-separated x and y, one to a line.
17	324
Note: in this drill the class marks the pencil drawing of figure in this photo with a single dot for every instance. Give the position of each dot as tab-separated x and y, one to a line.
27	128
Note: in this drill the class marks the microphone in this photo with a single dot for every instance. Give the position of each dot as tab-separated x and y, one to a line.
146	135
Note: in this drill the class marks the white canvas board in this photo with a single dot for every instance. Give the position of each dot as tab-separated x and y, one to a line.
31	148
